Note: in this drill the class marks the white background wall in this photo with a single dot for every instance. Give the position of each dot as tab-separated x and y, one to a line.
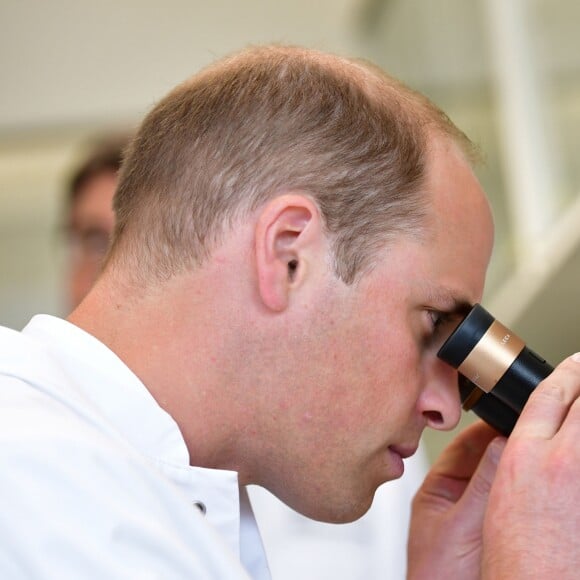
69	61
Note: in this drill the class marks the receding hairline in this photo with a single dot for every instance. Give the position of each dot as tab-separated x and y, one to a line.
352	70
420	120
376	83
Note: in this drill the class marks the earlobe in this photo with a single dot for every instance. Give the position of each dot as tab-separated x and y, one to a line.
285	231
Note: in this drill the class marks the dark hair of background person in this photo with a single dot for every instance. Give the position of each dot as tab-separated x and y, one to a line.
105	155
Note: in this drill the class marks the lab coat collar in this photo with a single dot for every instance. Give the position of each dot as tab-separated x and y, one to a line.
112	387
117	394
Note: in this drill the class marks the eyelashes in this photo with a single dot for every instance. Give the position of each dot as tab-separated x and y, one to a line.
441	324
437	318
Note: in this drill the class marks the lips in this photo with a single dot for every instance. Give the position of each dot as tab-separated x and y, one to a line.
404	450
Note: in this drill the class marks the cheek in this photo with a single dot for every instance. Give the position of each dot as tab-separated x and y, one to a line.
384	374
390	350
367	366
84	274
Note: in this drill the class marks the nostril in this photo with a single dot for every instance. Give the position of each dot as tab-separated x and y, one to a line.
434	418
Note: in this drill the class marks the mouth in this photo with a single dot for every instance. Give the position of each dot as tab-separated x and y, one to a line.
404	451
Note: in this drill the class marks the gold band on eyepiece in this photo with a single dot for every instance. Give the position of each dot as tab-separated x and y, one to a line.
492	356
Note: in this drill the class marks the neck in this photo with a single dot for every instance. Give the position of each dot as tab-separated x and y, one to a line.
173	338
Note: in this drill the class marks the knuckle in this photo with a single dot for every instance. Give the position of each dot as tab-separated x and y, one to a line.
559	469
569	369
562	386
552	390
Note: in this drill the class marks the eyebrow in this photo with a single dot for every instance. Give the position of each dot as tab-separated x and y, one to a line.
448	301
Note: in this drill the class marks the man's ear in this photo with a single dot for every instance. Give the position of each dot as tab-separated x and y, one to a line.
288	234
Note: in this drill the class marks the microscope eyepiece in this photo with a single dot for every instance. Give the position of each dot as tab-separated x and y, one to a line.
498	372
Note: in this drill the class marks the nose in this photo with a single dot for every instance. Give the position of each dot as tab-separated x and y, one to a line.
439	402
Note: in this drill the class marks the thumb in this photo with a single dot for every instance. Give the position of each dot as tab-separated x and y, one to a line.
448	511
474	499
455	467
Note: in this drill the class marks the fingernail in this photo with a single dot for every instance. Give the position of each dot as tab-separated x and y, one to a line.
576	357
496	448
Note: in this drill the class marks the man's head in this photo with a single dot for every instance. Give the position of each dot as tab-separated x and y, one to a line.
271	120
88	214
290	227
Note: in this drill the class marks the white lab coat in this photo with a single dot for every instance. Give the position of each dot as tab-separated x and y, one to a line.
96	481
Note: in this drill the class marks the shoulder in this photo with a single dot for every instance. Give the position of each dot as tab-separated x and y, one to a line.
78	500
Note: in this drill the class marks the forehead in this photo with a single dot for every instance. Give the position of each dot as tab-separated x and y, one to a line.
460	228
445	267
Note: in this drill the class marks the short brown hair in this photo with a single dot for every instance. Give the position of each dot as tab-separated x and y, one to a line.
269	120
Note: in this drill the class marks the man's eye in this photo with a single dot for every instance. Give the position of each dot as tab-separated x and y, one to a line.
442	324
437	318
89	243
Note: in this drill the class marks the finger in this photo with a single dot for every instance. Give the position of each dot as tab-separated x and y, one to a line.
474	499
451	472
461	457
569	433
550	402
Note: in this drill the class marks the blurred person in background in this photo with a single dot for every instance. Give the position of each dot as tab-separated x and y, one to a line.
88	214
296	547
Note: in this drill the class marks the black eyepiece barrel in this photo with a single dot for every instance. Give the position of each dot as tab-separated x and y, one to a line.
499	371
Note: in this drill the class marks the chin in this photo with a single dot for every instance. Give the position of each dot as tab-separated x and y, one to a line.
343	513
337	500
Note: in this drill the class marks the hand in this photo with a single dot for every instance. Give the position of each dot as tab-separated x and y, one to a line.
532	524
445	539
